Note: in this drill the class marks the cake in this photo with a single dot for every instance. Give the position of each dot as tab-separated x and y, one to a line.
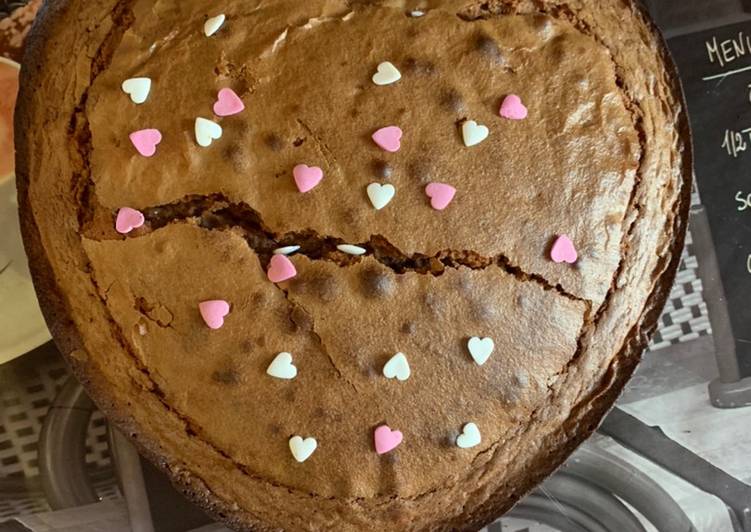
352	265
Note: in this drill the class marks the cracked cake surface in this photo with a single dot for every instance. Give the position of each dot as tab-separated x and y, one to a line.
603	156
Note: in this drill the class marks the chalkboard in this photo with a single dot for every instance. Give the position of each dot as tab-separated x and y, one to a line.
715	67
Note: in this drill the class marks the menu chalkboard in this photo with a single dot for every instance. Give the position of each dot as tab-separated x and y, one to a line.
715	67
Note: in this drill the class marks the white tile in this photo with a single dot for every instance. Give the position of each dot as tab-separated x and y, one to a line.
720	436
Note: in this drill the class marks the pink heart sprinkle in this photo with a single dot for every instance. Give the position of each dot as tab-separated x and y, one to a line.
145	141
228	103
563	250
513	108
387	439
281	269
389	138
213	312
307	177
128	219
440	195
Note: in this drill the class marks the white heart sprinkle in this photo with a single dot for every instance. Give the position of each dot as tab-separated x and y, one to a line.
137	88
387	74
207	132
474	133
380	195
469	437
302	448
282	368
212	25
286	250
397	367
480	349
351	249
417	13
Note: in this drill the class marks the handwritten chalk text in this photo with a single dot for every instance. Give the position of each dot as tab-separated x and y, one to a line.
744	201
736	142
729	50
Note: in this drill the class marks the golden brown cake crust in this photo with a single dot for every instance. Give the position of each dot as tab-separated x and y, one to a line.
604	156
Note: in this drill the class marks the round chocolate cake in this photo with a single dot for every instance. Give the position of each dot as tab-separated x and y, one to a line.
352	265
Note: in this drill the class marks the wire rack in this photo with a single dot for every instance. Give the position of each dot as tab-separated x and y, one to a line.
28	386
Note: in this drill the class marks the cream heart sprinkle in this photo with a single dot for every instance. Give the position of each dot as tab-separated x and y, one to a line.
480	349
286	250
212	25
469	437
387	74
474	133
350	249
301	448
207	132
380	195
282	367
137	88
397	367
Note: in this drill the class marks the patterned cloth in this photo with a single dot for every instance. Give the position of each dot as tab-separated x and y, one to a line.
685	317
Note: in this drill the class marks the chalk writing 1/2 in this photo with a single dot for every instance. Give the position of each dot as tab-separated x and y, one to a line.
736	142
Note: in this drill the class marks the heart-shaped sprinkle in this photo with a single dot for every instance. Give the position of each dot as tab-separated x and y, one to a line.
440	195
282	367
380	195
137	88
281	269
386	439
145	141
128	219
212	25
214	312
307	177
513	108
389	138
350	249
470	436
286	250
207	132
301	448
397	368
386	74
228	103
563	250
474	133
480	349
